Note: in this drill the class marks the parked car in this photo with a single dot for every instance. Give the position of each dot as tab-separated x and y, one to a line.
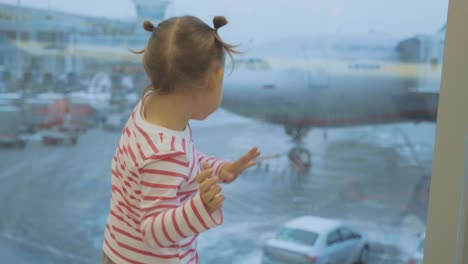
315	240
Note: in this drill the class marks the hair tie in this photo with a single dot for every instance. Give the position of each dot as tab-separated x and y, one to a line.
148	26
219	21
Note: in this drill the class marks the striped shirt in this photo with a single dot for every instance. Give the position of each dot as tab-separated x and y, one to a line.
156	212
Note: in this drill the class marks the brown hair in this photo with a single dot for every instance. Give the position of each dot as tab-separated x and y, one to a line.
181	49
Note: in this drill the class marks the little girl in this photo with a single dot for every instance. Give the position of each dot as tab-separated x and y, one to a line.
164	192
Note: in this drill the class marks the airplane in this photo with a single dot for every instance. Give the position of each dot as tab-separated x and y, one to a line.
331	81
323	81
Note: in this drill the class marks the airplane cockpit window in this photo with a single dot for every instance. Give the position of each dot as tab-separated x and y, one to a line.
340	100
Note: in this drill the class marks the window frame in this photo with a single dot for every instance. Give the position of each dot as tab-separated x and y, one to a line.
445	232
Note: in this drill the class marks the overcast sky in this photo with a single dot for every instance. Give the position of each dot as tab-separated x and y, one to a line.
262	20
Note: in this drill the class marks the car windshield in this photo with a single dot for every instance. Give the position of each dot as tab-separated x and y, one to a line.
297	235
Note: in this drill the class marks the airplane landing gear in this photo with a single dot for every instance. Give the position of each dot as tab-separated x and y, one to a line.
300	159
297	134
299	156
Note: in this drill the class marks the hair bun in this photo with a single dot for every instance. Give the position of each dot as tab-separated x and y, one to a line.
219	21
148	26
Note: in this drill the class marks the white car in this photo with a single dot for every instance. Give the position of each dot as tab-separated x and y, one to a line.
316	240
418	254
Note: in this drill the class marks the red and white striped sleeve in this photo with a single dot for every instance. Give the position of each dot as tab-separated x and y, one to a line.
165	221
214	163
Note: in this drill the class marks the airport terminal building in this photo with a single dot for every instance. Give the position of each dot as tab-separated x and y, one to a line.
40	41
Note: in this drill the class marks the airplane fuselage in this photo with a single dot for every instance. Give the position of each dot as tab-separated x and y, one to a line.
330	82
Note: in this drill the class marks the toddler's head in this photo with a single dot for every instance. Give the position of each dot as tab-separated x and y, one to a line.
185	56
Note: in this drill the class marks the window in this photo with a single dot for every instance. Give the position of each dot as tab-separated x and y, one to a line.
46	36
345	120
346	233
333	237
298	236
10	34
25	36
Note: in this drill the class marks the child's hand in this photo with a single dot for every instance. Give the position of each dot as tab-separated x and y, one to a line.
230	171
209	189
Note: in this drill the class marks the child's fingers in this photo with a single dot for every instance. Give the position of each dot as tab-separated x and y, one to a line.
253	160
250	164
228	175
217	202
204	174
257	154
254	153
205	166
251	154
248	156
207	184
210	194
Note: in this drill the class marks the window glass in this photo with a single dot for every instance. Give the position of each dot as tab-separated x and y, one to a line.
333	237
297	235
346	233
339	96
